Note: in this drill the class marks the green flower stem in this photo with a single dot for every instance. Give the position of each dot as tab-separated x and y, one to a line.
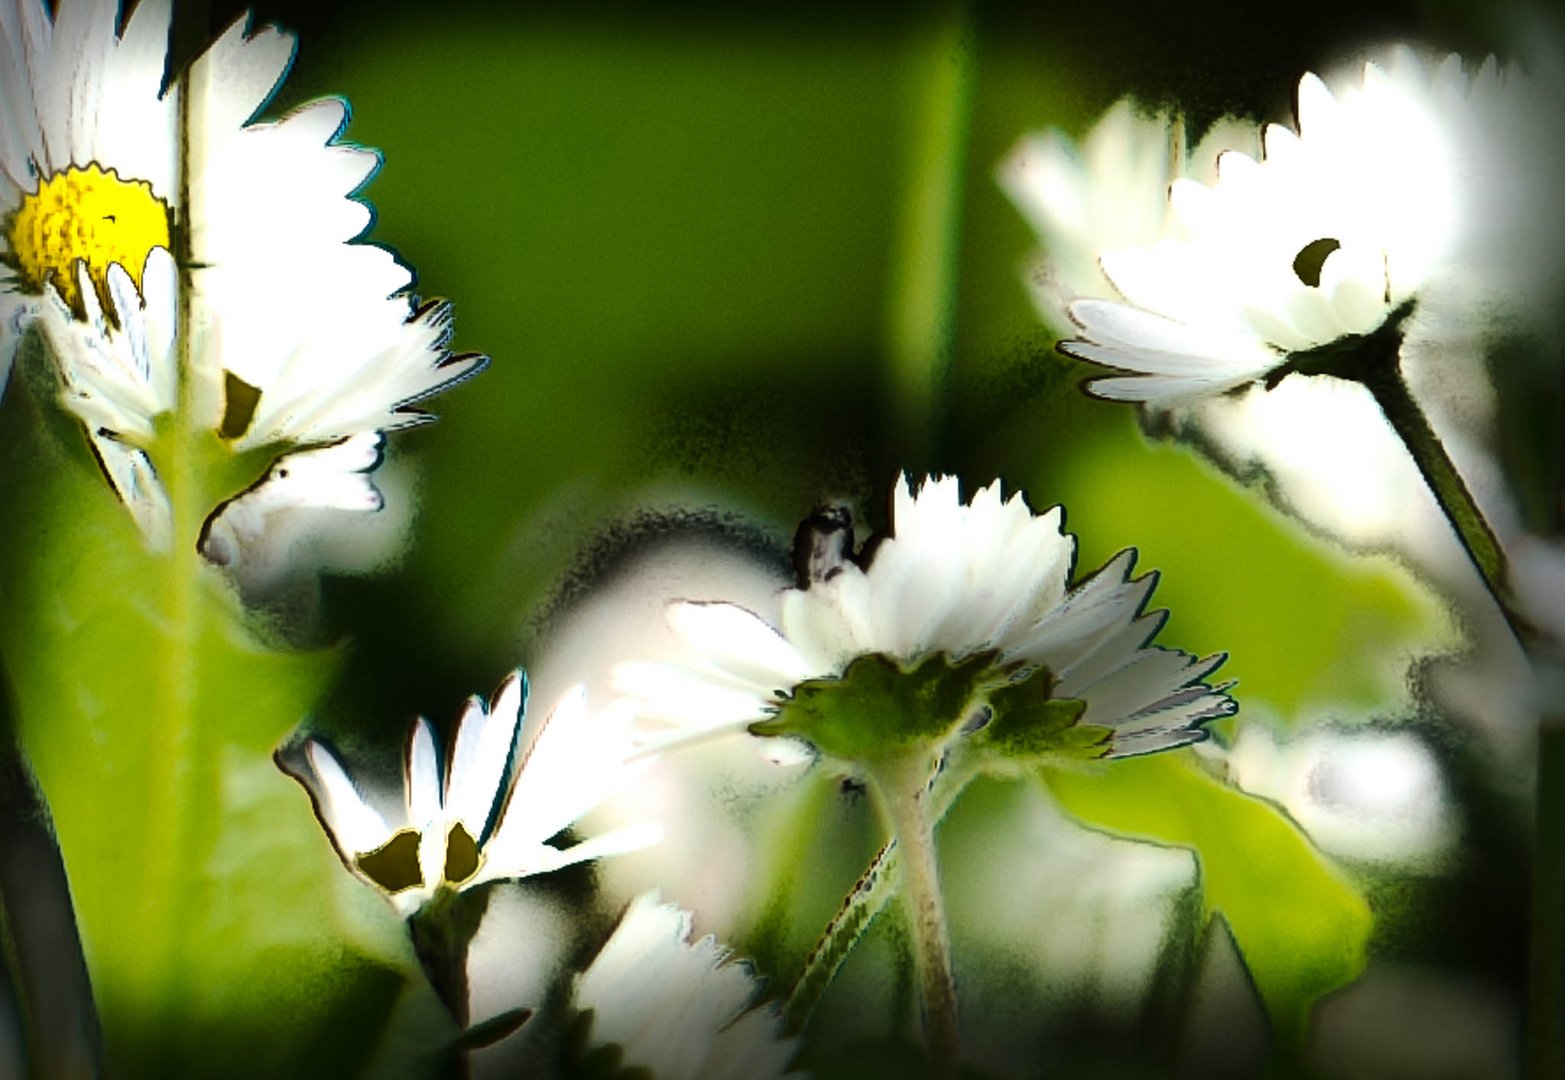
1374	361
859	908
179	771
901	789
1402	412
921	322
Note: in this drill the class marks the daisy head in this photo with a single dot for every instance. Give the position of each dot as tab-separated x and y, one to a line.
183	258
959	625
653	1000
1312	256
482	809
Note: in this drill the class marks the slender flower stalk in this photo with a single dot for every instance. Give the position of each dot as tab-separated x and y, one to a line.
902	793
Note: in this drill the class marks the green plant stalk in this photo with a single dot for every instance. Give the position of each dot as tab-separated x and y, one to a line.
180	770
901	789
858	910
1402	412
921	323
1374	361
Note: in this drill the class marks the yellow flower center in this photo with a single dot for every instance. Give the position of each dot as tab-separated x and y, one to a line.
91	216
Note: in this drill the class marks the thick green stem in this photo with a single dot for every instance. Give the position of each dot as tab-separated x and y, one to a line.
921	323
177	768
901	790
859	908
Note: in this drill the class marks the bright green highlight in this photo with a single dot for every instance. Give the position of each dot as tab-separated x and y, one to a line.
1305	624
1300	925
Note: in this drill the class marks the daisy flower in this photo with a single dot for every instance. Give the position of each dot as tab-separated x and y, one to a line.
489	810
182	257
1385	193
979	585
1109	192
675	1008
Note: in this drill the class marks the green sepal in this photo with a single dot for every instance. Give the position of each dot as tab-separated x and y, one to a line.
878	709
490	1031
1029	727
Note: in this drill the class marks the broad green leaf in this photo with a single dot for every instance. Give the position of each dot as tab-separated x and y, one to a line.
1301	927
205	890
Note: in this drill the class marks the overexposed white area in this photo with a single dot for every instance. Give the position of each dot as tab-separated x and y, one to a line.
1107	192
1369	794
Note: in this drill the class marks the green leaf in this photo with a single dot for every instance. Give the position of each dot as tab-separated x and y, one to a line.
877	709
1300	925
205	890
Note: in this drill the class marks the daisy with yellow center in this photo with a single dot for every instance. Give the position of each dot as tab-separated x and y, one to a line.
279	331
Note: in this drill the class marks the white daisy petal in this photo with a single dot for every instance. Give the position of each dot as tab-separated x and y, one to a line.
738	641
484	740
573	761
355	826
424	789
677	1008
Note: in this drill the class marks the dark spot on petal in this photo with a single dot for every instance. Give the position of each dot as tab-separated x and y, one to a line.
461	855
1311	257
239	402
394	865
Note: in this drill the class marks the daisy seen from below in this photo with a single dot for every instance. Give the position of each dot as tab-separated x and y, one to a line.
486	810
952	646
1372	200
195	272
652	999
982	587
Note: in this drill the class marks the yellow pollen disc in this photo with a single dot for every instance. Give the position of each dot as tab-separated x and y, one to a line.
87	215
